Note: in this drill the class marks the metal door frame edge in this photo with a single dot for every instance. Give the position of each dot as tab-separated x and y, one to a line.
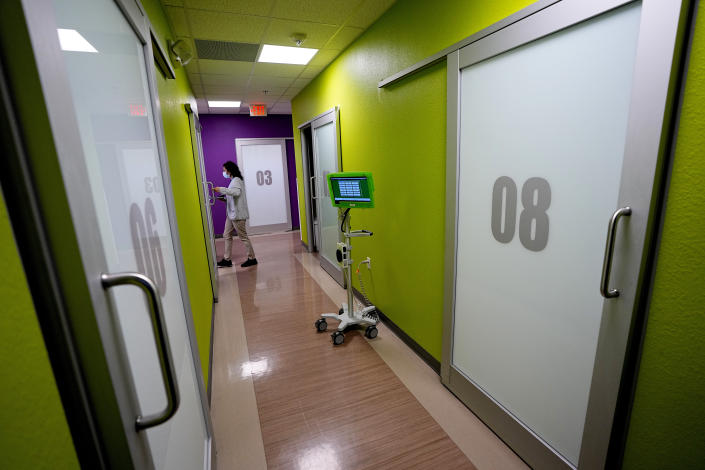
199	162
173	224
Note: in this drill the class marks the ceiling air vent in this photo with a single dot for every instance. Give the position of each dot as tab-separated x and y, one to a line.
223	50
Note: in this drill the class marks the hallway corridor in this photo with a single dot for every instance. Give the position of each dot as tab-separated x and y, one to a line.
284	398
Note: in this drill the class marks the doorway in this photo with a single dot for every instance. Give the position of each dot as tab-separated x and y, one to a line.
320	150
266	177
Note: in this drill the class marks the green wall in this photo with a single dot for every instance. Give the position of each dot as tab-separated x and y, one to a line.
34	433
401	131
668	420
173	95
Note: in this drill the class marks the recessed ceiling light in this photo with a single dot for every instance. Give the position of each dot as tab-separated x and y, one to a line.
223	104
71	40
286	55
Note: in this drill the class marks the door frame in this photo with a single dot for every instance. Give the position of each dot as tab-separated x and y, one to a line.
84	348
663	26
306	160
204	195
239	143
332	115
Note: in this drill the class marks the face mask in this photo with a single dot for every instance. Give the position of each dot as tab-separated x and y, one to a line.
226	175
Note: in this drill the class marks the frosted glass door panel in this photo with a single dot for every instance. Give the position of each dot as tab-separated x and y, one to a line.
265	177
326	143
111	98
542	134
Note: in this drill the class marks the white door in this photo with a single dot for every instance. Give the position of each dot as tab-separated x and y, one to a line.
327	160
96	67
552	114
264	171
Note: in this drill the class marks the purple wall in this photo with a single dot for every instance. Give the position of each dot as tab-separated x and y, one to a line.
219	134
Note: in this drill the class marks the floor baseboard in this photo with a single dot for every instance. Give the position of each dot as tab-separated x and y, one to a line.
431	361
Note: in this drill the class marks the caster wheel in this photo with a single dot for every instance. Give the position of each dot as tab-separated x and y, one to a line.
371	332
341	311
338	338
321	325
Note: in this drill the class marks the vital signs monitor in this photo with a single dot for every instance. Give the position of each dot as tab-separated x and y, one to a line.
351	189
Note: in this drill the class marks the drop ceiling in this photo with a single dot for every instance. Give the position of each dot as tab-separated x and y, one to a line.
329	25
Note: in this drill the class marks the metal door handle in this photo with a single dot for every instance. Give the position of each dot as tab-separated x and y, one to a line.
605	290
312	186
160	337
211	193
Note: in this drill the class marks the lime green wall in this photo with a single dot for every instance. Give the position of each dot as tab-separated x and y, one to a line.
34	433
173	94
399	131
668	420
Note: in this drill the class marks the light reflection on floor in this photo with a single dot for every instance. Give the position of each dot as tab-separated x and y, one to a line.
321	456
255	368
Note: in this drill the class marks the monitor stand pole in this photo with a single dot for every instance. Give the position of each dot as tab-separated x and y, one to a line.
347	315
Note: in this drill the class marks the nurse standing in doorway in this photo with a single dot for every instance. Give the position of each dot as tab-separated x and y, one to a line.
237	215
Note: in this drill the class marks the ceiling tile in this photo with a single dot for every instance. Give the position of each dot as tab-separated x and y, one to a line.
247	7
344	37
264	82
226	80
319	11
289	96
177	16
281	108
236	91
194	79
272	96
369	12
324	57
311	71
300	83
224	67
274	91
226	26
280	31
277	70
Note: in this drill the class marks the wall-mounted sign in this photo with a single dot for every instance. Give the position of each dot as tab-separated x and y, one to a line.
258	110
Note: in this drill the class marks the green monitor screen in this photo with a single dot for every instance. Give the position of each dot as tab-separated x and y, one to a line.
351	189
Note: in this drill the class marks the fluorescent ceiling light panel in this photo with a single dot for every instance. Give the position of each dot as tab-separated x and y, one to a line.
223	104
286	55
71	40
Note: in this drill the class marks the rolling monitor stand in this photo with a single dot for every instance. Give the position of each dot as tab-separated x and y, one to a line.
350	190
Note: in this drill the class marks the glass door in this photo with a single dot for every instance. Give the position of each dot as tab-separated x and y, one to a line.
95	65
205	196
264	170
327	159
548	147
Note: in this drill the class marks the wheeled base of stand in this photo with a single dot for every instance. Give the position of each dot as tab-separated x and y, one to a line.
366	316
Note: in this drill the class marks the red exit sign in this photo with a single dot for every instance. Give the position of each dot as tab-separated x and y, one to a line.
258	110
